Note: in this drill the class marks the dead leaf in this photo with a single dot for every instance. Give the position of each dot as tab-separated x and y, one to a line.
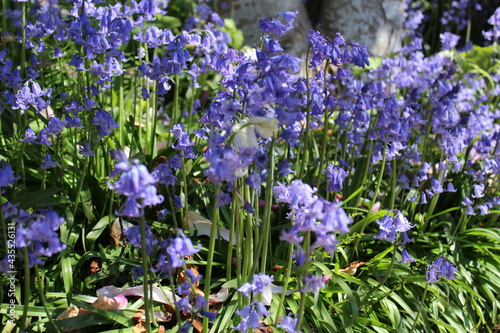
268	291
353	267
70	312
116	231
95	266
118	302
220	297
204	226
159	295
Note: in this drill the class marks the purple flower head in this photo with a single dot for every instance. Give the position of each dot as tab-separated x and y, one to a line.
136	183
9	209
296	195
104	123
6	177
249	319
31	96
55	126
391	224
260	281
48	163
313	283
29	136
448	40
478	190
289	324
133	235
335	176
39	230
275	26
85	150
440	268
225	166
405	257
493	34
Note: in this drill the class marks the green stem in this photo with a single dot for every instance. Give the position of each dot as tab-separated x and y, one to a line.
266	222
302	156
78	195
43	300
307	245
419	309
249	240
145	274
210	258
286	280
366	220
121	115
27	291
153	131
389	271
393	184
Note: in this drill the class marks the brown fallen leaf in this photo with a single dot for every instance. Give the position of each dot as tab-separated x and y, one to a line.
116	230
70	312
353	267
119	302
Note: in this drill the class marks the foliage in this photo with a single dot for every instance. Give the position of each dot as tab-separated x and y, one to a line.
156	177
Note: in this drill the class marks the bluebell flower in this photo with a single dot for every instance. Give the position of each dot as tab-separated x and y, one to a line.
440	268
391	224
55	126
313	283
39	231
284	168
335	176
478	190
249	319
85	150
133	236
9	209
173	250
289	324
448	40
493	34
29	136
136	183
260	281
6	177
275	26
104	122
405	257
48	163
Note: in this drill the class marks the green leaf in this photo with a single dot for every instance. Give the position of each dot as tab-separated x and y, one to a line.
353	301
97	230
45	197
67	274
123	317
235	34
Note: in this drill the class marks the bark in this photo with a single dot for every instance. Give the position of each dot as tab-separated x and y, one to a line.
247	14
377	24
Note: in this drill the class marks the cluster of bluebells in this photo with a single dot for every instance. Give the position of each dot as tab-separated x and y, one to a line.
391	225
405	101
185	303
37	231
440	268
309	213
251	313
135	183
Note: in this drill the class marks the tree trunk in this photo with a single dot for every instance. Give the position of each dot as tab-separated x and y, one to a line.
248	13
377	24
